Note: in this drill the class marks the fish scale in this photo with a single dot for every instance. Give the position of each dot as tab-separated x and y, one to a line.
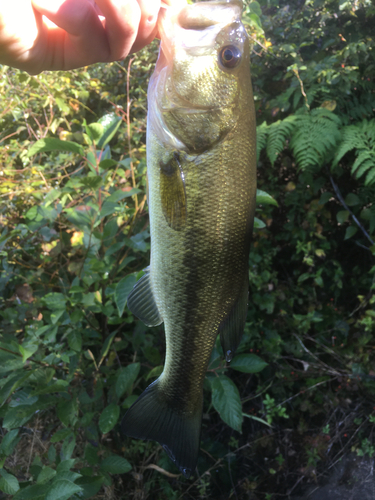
202	187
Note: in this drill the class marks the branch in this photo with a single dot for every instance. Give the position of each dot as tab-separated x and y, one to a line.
341	199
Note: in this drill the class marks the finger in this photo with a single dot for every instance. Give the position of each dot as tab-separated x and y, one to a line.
122	18
68	14
81	38
148	23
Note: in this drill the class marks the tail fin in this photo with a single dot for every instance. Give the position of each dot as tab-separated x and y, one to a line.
152	418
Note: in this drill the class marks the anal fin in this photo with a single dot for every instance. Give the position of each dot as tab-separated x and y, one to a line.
141	301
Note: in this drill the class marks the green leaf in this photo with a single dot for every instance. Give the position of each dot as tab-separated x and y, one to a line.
52	196
55	301
326	196
94	131
11	385
226	401
67	449
120	195
65	465
60	435
352	199
264	198
45	475
253	417
90	486
342	216
107	163
9	442
58	386
53	144
27	352
255	7
107	344
91	454
155	372
258	224
109	417
67	411
108	208
62	489
110	123
129	401
115	465
63	107
123	288
350	231
75	340
248	363
34	492
126	378
16	417
91	182
8	483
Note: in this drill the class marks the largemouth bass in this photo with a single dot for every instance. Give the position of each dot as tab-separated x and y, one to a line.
201	164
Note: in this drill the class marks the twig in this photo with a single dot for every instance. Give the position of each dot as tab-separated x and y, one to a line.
346	445
295	71
341	199
32	445
330	370
296	484
218	462
231	480
45	365
162	471
305	390
8	136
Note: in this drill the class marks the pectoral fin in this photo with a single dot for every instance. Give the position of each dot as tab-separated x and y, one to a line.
173	194
141	301
232	328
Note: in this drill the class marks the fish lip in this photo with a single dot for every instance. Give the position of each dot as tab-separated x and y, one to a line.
207	16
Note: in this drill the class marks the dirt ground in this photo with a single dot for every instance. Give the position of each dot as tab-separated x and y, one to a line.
350	479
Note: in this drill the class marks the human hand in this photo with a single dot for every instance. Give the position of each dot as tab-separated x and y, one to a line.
86	32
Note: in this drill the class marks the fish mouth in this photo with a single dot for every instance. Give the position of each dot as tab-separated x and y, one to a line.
202	15
195	26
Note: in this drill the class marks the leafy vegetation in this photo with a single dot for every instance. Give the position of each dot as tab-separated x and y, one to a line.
75	238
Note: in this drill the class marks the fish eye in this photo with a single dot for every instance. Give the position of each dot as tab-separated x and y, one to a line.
230	56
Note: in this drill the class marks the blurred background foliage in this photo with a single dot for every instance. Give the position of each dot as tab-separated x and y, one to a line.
74	237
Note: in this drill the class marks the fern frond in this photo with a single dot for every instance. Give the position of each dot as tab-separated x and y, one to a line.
315	137
262	133
360	137
362	163
349	142
278	133
359	107
370	177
